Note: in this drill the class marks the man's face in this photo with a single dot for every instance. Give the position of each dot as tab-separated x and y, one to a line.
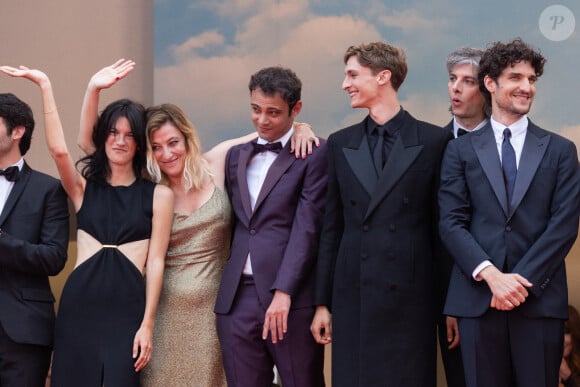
513	93
271	116
7	142
360	84
466	100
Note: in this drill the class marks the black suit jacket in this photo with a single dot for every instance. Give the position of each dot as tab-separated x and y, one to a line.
33	246
375	265
530	236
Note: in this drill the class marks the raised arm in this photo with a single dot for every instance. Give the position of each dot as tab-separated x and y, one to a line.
72	181
103	79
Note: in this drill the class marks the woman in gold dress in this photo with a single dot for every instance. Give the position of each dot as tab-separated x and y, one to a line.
187	351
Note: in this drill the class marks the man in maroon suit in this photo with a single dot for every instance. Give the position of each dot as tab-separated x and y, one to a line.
265	302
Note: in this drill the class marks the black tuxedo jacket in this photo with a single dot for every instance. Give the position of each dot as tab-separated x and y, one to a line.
375	265
33	246
530	236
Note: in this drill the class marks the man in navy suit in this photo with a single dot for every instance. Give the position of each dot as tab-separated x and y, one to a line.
33	245
470	112
509	205
265	300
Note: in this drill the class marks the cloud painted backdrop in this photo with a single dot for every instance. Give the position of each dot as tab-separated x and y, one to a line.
206	50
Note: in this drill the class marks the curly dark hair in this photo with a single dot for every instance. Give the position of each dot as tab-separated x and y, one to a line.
498	56
16	112
273	80
95	166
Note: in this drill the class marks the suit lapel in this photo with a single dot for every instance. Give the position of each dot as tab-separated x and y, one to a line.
15	193
535	146
358	157
243	160
405	151
486	150
276	170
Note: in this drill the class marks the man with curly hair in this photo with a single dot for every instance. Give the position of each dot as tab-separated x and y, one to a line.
509	206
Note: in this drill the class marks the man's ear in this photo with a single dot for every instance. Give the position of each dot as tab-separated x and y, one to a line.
489	84
18	132
383	77
296	109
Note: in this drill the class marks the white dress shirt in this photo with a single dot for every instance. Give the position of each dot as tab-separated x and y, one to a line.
519	130
6	186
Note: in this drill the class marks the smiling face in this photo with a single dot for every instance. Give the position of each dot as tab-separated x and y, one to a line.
466	99
513	92
271	115
169	150
121	146
360	84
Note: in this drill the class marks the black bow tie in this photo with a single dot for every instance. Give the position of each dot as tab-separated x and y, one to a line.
10	173
461	132
275	147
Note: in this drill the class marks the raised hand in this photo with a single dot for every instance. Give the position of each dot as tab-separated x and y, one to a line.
35	76
108	76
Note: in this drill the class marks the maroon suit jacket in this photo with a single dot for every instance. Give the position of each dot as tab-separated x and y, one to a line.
282	233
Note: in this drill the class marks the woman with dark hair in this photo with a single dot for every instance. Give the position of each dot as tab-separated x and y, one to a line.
107	311
185	337
570	366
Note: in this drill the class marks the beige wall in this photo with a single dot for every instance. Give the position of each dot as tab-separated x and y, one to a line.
70	40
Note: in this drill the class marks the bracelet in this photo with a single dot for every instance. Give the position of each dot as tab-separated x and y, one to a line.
50	111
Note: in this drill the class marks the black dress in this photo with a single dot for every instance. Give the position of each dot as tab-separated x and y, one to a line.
103	301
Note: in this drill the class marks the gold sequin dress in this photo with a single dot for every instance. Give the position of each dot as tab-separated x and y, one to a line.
186	350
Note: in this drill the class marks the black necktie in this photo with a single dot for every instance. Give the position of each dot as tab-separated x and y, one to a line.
275	147
10	173
508	163
378	152
461	132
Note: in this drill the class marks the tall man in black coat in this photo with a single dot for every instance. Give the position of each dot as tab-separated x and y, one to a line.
375	264
509	201
33	245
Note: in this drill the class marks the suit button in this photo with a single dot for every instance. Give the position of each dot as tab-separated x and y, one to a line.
405	200
392	227
252	232
508	228
364	256
365	228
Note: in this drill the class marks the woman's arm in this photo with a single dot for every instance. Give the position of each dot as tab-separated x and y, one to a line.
72	181
103	79
162	218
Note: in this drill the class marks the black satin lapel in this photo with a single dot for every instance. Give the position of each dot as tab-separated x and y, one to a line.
360	161
399	161
15	193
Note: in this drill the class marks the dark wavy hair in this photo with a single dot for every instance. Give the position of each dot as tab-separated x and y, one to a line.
95	166
498	56
15	113
273	80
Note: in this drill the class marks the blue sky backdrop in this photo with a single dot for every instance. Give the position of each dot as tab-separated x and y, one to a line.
206	50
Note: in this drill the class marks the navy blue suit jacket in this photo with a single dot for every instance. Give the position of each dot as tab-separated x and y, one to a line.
531	236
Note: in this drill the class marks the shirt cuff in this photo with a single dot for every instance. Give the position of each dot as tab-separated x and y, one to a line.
479	268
